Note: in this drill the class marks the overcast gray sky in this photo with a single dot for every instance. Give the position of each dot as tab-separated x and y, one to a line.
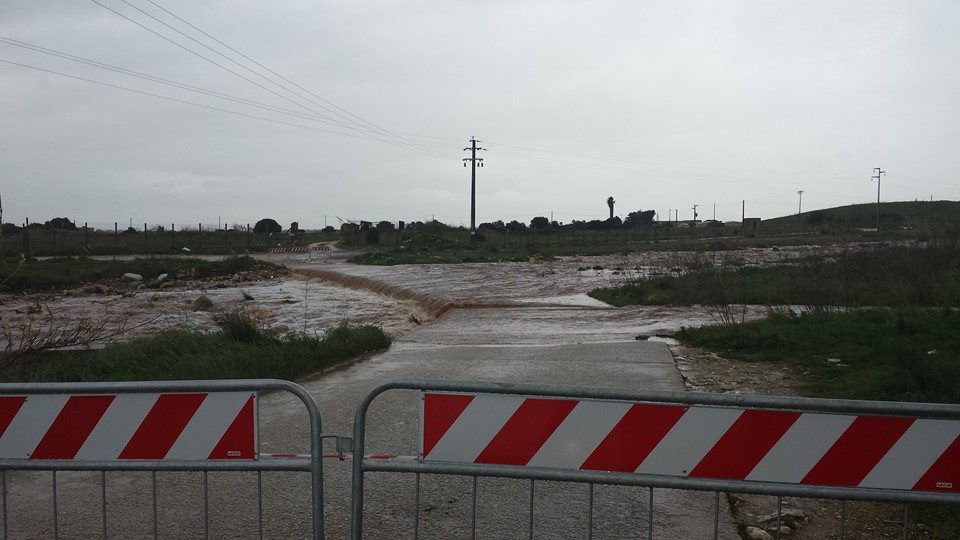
661	104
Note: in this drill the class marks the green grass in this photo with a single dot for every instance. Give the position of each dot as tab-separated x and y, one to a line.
177	355
453	245
887	352
892	355
893	215
35	275
914	275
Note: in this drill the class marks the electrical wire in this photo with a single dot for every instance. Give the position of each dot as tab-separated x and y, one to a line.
251	81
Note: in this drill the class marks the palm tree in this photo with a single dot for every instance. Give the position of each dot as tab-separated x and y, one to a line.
610	203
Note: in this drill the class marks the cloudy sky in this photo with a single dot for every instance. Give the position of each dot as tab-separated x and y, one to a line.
662	105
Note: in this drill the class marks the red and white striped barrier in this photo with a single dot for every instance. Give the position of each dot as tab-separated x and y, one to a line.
762	445
105	427
288	250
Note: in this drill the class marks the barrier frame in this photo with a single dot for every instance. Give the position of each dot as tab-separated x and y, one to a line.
362	465
313	464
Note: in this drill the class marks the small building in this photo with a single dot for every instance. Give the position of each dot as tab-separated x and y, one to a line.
750	227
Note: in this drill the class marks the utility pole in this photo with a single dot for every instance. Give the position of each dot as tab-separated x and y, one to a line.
714	211
474	160
694	222
800	204
877	178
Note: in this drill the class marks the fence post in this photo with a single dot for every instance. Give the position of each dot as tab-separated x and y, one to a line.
86	237
116	236
200	234
144	237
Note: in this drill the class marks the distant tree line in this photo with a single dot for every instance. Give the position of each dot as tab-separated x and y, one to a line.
640	218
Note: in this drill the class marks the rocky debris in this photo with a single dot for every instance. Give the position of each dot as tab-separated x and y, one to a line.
642	337
245	296
833	360
414	320
96	289
664	333
202	303
130	276
279	329
167	284
756	533
162	277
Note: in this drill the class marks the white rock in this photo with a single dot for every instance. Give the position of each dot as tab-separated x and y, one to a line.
132	277
756	533
833	360
185	249
162	277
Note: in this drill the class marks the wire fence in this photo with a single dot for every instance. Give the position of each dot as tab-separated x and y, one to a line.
148	238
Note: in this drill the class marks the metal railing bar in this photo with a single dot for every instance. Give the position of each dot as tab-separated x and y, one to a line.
716	516
153	482
416	509
779	515
530	530
4	487
56	520
670	482
590	514
260	505
103	503
206	506
843	518
906	521
473	511
650	516
293	464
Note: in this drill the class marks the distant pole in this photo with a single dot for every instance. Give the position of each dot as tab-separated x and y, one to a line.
694	222
714	211
800	203
877	178
474	160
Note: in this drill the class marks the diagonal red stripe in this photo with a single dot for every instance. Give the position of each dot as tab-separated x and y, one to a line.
239	439
526	431
633	438
9	407
857	451
440	411
743	445
162	425
72	426
944	474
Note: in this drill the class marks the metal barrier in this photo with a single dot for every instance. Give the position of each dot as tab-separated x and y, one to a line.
910	451
165	426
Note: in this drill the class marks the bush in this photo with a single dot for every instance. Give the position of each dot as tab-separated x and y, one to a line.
239	325
267	225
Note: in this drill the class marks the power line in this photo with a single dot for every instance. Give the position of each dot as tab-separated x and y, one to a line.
225	68
258	64
186	102
160	80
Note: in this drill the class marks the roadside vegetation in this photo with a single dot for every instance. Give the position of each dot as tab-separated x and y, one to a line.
897	275
61	272
241	349
873	354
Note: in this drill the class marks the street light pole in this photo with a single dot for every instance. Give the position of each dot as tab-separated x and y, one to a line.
800	204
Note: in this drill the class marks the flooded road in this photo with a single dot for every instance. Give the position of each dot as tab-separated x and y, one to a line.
516	322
